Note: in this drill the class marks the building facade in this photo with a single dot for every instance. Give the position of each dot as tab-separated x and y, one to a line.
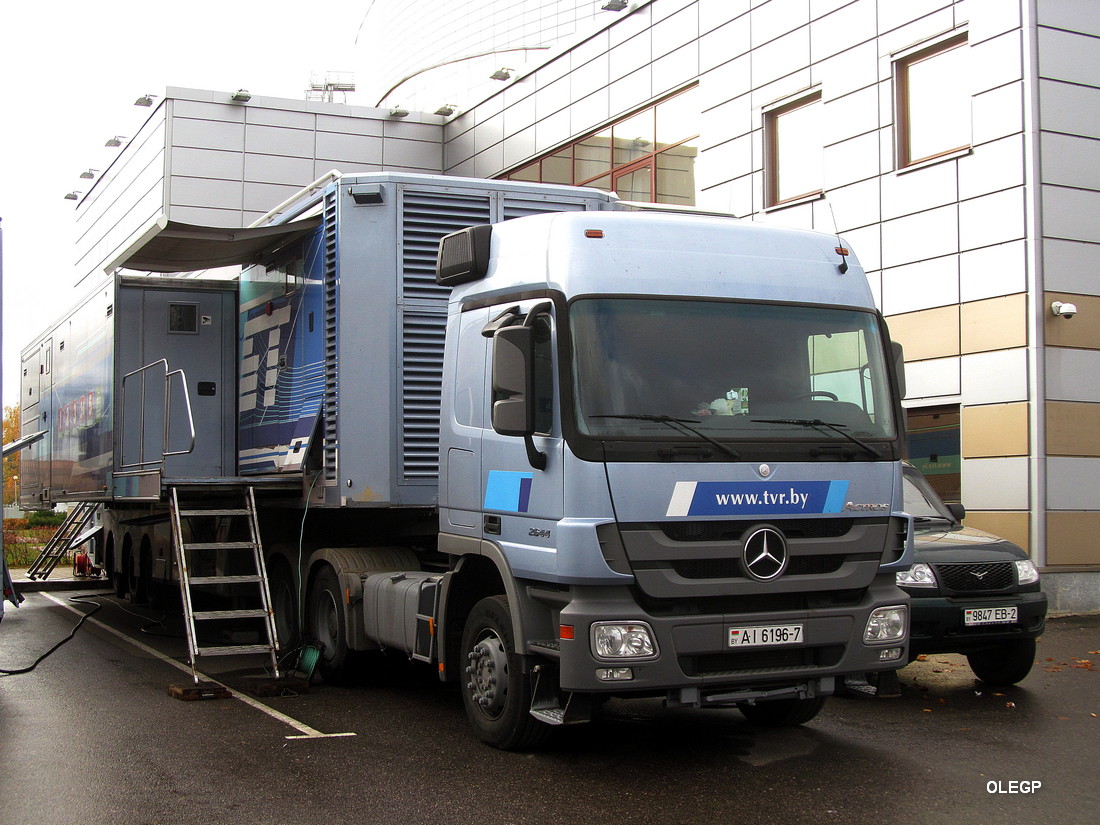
955	144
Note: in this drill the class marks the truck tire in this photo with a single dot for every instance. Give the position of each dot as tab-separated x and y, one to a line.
783	713
284	604
1005	664
495	690
326	624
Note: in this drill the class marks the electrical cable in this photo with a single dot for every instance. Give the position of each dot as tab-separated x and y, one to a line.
96	606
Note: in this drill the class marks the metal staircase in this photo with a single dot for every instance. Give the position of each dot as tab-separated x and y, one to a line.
229	560
70	535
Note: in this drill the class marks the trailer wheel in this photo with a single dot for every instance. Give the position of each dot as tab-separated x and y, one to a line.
496	692
327	625
783	713
284	604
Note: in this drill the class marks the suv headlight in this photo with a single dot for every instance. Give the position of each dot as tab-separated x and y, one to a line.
1026	571
887	624
919	575
623	640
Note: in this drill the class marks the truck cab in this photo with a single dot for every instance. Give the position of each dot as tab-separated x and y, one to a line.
677	441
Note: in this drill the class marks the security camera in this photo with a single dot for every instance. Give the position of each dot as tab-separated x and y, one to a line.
1063	309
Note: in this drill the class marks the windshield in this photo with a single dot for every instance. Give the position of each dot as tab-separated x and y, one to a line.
665	369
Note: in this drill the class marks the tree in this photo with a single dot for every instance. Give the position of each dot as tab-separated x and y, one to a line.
11	463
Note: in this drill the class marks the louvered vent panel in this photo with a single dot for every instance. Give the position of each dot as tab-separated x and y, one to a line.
522	207
428	216
331	297
422	380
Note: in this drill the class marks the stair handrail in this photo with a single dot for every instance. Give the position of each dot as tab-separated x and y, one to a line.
165	452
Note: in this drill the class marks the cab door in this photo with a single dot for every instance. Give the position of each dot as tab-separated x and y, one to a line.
523	477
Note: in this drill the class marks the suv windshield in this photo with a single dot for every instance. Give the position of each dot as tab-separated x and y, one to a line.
921	500
661	369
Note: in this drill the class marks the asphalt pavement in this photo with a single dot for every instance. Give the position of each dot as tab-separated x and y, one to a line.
91	736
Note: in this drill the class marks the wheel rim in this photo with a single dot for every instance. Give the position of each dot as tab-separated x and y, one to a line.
488	672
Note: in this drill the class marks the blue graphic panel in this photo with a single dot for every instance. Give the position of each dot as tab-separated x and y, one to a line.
508	491
282	380
760	498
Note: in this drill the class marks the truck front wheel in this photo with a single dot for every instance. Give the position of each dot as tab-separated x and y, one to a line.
495	691
783	713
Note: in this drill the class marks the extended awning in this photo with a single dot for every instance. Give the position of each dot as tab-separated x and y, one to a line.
183	247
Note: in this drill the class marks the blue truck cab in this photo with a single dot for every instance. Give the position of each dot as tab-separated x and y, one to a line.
679	437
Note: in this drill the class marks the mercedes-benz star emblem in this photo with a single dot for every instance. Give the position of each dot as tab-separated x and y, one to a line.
765	554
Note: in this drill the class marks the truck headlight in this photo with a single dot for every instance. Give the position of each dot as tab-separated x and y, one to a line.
623	640
919	575
1026	572
887	624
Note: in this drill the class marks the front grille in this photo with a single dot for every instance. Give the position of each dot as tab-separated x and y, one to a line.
813	528
761	661
748	603
976	578
731	568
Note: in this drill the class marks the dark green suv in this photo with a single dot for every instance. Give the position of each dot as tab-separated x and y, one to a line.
972	592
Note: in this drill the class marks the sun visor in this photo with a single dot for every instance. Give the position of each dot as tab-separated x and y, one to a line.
183	247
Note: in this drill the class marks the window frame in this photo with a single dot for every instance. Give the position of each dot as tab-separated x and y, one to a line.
532	171
902	117
771	149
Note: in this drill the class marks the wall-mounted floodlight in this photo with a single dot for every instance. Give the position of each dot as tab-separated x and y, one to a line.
89	174
241	96
399	111
446	110
144	100
73	196
615	5
115	142
501	74
1063	310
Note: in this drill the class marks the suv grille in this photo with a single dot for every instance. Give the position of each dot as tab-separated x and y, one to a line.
976	578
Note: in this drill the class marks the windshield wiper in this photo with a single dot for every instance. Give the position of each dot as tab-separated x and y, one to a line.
679	424
821	427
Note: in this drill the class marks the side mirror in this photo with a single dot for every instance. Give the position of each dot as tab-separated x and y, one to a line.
513	381
958	512
899	365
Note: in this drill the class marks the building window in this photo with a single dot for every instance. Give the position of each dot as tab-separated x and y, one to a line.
793	159
933	102
648	155
934	448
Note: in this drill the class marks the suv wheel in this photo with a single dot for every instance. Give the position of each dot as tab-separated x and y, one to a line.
1005	664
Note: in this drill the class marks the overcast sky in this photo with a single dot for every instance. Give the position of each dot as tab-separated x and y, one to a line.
71	74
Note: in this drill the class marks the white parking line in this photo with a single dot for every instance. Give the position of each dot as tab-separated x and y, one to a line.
304	730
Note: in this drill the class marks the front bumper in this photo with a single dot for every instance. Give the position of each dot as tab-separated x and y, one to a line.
936	622
694	657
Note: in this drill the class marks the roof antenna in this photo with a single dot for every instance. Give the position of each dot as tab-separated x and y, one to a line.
841	249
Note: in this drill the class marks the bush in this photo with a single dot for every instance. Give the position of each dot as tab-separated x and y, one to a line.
14	524
45	518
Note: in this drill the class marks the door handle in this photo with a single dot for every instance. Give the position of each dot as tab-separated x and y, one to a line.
492	525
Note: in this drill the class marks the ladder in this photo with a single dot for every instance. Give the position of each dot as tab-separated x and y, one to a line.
70	535
245	551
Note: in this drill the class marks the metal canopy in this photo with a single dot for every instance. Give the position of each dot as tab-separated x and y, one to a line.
183	247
